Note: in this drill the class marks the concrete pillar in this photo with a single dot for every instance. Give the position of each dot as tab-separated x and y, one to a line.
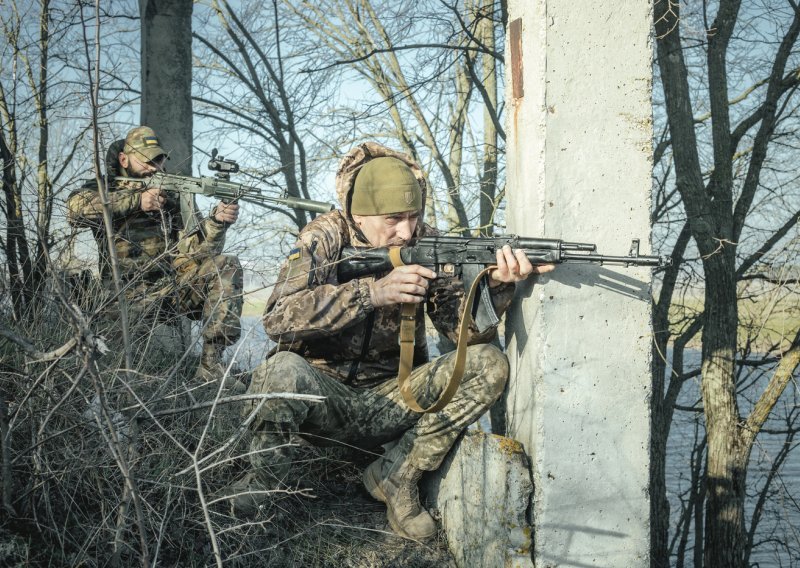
167	77
579	162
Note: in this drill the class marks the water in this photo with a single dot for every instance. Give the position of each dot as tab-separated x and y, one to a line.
781	520
254	345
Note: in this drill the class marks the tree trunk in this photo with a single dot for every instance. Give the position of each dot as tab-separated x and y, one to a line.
17	255
167	77
726	473
456	214
688	177
662	409
488	183
44	187
286	153
167	84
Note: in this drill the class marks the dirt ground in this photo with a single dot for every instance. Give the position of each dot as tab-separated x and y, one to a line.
333	521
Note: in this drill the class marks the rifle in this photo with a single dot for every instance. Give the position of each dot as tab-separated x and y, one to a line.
465	257
449	255
220	187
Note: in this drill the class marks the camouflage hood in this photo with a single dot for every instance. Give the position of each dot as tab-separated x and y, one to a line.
113	169
334	325
349	167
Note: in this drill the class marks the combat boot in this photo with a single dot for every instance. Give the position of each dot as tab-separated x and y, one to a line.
271	456
393	480
211	370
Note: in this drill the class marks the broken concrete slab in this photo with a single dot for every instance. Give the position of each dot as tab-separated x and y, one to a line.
482	493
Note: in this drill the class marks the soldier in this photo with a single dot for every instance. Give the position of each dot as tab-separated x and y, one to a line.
340	341
159	263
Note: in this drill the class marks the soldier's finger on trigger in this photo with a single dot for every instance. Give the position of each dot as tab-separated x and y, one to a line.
422	271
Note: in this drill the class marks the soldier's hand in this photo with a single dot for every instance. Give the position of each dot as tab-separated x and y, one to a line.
514	266
403	285
226	212
153	199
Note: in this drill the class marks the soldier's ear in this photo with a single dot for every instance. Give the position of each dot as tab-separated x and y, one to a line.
123	160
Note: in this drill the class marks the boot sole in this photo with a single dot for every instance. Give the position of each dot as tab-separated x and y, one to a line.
372	484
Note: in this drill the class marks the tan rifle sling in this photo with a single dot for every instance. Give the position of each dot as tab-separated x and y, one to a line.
408	325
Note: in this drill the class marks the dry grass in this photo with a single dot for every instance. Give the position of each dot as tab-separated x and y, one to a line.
766	322
79	426
254	303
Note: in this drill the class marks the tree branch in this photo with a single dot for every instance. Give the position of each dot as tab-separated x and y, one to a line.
30	349
790	360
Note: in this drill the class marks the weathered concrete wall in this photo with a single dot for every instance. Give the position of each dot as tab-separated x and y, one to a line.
167	77
579	163
482	493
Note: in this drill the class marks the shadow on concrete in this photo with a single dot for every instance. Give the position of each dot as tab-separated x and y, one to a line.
587	275
577	277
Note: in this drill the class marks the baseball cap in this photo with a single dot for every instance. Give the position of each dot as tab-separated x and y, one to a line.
143	143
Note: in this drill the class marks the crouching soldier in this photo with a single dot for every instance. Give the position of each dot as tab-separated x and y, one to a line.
340	341
162	268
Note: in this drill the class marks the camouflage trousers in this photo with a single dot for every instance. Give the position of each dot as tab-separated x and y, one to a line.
366	418
209	291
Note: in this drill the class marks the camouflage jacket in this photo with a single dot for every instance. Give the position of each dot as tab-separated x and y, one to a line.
335	326
149	245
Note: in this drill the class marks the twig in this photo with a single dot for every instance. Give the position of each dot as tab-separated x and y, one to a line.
226	400
39	356
5	445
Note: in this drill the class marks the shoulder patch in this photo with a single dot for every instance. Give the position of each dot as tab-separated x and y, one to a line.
297	264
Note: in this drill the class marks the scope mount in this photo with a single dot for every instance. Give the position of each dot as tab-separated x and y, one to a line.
223	167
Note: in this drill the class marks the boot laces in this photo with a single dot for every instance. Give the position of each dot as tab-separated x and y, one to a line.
406	491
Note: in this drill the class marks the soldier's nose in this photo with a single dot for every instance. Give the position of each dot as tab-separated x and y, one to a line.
404	230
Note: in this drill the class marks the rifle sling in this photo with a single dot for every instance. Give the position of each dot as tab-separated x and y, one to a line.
407	340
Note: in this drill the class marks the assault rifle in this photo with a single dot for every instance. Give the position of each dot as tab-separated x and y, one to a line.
449	255
465	258
220	187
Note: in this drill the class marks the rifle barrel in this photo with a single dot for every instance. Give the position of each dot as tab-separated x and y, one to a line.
291	202
637	260
227	191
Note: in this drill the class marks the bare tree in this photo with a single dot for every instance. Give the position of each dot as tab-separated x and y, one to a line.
422	64
487	26
28	95
250	87
723	171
